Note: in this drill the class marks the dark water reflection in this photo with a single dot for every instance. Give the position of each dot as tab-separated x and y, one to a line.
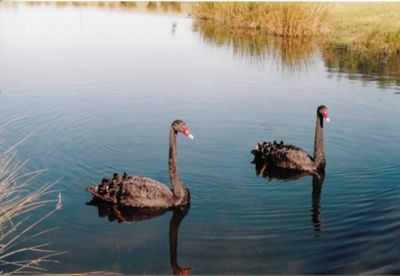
269	173
128	214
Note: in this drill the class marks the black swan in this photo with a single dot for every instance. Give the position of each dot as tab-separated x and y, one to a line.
279	155
137	191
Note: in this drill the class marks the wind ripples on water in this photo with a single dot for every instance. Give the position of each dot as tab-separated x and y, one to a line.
104	102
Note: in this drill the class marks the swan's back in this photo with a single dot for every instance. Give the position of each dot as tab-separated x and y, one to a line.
284	156
137	191
133	191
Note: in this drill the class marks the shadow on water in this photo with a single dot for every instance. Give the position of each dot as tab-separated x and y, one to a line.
127	214
291	175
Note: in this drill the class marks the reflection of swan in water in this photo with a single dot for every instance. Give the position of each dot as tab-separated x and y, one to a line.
137	191
124	214
317	182
287	175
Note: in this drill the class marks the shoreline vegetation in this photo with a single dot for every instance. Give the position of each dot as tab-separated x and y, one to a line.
365	26
282	19
20	197
359	38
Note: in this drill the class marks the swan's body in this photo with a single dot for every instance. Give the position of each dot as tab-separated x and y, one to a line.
279	155
138	191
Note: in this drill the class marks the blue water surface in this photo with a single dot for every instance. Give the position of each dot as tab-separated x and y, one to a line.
99	89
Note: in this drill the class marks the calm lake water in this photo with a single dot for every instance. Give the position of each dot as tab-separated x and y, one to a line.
99	87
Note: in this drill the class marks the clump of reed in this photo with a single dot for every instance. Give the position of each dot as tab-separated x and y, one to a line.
286	19
19	253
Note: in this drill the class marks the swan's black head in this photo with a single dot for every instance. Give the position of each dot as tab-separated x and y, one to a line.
180	126
322	111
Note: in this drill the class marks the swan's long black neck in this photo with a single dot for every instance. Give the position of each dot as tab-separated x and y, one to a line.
319	155
180	191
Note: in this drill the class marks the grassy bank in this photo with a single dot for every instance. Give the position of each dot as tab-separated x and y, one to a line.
371	26
366	26
274	18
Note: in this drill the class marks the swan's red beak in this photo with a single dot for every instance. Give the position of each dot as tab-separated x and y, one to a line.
186	132
325	115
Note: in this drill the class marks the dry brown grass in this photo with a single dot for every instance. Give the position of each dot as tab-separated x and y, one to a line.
287	19
366	26
17	204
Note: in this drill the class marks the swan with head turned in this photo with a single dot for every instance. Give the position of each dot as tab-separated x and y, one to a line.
138	191
279	155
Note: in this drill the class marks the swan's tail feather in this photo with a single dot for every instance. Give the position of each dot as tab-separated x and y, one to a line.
107	189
